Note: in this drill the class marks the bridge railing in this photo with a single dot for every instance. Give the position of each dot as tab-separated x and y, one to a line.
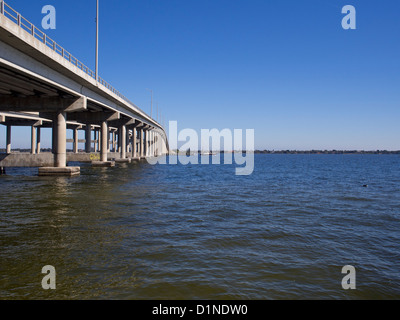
29	27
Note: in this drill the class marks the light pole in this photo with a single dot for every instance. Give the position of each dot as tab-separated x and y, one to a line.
157	116
151	110
97	40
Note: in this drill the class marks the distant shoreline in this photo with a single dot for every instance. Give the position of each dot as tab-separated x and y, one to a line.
309	152
327	152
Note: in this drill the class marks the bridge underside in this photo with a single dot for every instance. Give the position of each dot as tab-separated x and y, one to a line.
119	140
109	135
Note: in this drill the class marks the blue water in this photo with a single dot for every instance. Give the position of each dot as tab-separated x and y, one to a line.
138	231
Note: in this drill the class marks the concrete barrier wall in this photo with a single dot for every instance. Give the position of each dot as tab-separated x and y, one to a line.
46	159
27	160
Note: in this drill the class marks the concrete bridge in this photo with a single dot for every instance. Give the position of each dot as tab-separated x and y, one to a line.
42	85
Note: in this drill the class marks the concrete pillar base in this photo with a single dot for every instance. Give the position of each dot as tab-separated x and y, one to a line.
103	164
126	160
54	171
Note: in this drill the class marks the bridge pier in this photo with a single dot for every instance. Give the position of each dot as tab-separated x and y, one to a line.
60	149
104	147
33	140
114	141
53	137
153	149
128	142
76	141
141	143
96	139
61	138
38	137
150	143
108	140
147	143
123	142
104	141
122	139
8	139
134	146
156	143
88	138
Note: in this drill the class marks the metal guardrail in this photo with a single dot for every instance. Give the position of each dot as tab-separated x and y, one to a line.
29	27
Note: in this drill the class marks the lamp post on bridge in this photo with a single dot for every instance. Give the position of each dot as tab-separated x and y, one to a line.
151	110
97	40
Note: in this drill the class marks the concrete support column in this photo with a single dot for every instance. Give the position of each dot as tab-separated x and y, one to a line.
137	143
148	146
153	147
157	143
54	138
88	137
75	140
108	141
33	140
61	151
144	143
150	143
150	140
141	143
139	137
8	140
114	144
123	142
134	146
147	143
38	140
154	144
128	143
104	141
96	139
119	145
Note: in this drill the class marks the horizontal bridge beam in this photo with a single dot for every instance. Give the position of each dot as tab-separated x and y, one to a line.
122	122
42	104
93	117
22	123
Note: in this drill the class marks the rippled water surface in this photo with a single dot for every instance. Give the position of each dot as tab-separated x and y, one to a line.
138	231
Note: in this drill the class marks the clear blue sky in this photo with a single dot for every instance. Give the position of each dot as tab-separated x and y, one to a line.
284	68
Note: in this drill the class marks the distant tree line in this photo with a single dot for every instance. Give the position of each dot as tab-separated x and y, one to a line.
327	152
